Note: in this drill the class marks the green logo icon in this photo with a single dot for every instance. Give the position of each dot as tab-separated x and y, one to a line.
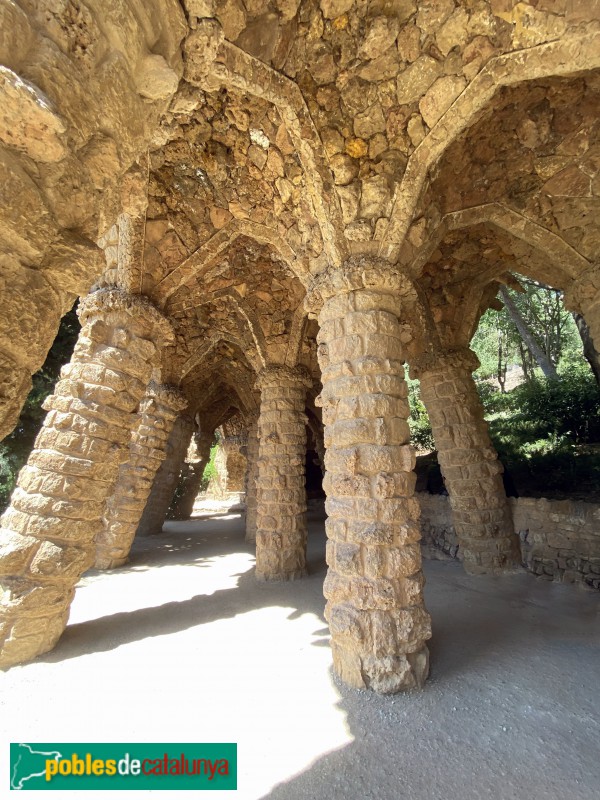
123	766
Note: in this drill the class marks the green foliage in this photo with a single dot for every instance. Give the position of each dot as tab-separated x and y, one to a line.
15	448
564	409
495	342
421	435
499	345
210	471
545	430
546	433
492	398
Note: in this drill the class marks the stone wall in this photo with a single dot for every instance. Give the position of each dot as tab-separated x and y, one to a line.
437	526
560	539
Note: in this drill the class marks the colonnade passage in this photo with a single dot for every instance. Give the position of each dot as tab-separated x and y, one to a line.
93	477
266	213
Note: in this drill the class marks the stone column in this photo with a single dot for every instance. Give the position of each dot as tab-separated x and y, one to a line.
469	463
191	478
47	534
148	448
165	482
281	491
217	486
374	585
251	477
320	445
236	462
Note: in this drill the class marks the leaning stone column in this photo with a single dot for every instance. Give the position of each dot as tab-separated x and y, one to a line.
191	476
165	482
281	490
583	296
251	477
47	534
374	585
469	463
148	448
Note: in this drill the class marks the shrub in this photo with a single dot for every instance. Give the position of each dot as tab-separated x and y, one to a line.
421	435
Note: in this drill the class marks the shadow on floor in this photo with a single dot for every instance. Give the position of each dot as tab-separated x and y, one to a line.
507	713
199	543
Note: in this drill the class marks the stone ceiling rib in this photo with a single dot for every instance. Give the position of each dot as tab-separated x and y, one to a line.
500	216
296	337
236	68
203	351
200	261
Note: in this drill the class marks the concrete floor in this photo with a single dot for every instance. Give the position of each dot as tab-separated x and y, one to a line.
183	646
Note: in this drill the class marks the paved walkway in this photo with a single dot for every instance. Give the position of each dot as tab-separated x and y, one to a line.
183	645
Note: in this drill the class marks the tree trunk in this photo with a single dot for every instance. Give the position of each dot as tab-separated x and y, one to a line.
525	361
589	351
501	367
536	351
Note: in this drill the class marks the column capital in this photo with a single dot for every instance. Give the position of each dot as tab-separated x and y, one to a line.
282	375
584	290
112	300
167	394
439	360
359	272
251	416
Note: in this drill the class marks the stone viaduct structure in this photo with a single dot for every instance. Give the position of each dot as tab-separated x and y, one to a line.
268	208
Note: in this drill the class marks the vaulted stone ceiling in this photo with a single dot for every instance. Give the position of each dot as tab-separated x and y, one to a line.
305	131
279	137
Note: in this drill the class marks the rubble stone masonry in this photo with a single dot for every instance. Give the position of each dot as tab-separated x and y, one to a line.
47	538
469	463
148	448
559	539
281	493
374	585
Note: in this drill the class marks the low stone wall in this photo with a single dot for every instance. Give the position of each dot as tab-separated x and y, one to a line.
437	527
560	539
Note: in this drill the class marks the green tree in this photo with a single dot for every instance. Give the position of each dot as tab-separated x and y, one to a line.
532	328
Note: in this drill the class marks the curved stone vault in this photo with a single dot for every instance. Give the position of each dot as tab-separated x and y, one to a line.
268	208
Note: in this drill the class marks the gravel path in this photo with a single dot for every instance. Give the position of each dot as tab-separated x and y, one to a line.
183	645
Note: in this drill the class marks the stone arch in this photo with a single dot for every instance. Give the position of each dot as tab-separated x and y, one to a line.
250	322
210	379
563	57
199	262
500	216
565	263
237	69
199	355
80	104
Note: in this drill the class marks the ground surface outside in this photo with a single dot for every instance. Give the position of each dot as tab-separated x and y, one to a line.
183	645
